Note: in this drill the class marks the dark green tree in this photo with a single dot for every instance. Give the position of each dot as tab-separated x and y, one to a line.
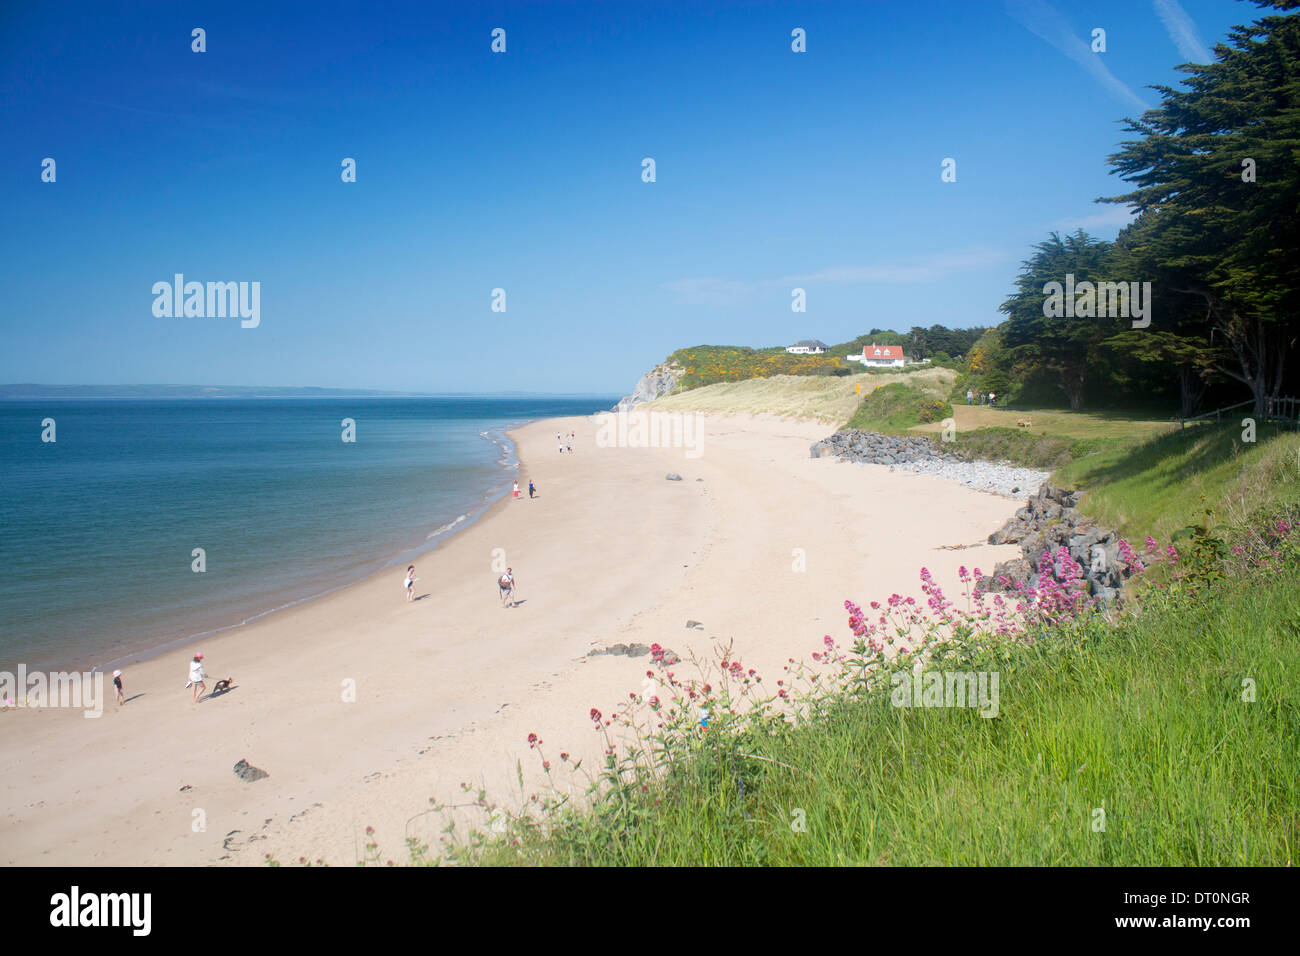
1065	346
1217	170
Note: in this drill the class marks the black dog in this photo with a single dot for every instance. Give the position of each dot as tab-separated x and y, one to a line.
222	686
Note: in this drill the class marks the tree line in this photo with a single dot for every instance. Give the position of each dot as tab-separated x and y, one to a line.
1201	290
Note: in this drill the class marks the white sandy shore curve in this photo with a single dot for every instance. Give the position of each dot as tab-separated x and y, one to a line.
447	689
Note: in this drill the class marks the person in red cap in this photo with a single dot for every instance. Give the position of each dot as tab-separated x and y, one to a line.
197	677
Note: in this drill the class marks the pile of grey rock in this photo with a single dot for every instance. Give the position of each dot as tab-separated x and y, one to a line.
873	448
1049	520
920	454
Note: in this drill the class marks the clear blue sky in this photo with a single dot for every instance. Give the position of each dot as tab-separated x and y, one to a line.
523	171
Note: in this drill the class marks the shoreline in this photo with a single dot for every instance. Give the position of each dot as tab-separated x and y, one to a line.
365	568
363	708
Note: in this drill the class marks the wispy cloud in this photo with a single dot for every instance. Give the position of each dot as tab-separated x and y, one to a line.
1111	216
1046	21
895	272
711	291
1182	31
731	292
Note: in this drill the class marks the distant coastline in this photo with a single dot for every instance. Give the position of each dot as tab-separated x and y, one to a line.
36	392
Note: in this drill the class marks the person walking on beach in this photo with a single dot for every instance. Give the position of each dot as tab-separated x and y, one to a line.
410	584
197	677
516	492
117	684
507	585
532	490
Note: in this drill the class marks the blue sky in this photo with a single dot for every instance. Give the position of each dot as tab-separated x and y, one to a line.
522	171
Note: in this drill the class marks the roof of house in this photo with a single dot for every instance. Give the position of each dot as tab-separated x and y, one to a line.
811	343
882	352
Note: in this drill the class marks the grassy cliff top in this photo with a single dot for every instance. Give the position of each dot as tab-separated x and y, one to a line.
832	400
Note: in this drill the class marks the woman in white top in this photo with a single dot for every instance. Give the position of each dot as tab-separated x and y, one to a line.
197	677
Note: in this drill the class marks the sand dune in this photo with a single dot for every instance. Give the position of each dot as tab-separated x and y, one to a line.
447	689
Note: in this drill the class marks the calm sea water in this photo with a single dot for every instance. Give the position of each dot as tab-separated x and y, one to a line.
98	529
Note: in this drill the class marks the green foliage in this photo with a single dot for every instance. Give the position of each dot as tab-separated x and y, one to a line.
898	407
1156	485
1064	346
1044	452
1189	769
1223	237
932	410
710	364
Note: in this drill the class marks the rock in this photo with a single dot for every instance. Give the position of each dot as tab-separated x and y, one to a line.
694	624
621	650
248	773
673	476
656	383
925	456
1017	570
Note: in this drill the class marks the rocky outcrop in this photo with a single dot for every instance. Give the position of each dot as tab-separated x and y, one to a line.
873	448
923	455
656	383
1048	521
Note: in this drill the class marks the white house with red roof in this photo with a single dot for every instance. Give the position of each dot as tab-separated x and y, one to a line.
880	356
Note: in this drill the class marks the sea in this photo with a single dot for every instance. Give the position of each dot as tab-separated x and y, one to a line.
149	524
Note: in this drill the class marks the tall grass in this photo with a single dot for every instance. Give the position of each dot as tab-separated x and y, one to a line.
1156	487
823	399
1126	743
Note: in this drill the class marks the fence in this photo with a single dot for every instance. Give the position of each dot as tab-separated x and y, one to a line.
1284	412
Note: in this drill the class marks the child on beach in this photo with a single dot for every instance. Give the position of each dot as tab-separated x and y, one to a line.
410	584
516	492
117	683
532	491
507	585
197	677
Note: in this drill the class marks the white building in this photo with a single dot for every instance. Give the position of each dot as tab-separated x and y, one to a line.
807	347
881	356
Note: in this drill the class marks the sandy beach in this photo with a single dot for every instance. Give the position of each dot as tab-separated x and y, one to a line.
363	708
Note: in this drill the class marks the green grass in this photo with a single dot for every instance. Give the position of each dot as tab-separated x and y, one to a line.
1044	452
1158	486
898	407
1048	439
1144	719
